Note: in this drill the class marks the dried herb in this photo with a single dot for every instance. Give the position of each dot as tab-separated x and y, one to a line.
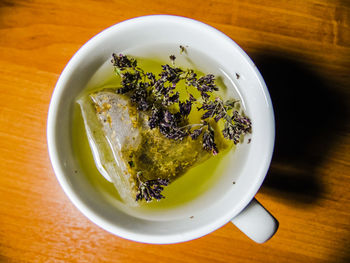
156	95
185	107
236	126
121	62
205	85
150	189
208	140
196	132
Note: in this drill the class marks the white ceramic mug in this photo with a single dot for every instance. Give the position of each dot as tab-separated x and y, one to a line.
231	198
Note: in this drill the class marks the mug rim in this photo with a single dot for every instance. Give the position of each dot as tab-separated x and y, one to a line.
80	204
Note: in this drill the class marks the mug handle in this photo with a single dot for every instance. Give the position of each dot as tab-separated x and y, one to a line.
256	222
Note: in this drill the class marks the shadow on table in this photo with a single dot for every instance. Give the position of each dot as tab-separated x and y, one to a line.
309	113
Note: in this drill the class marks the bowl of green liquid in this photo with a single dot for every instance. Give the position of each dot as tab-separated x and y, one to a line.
201	197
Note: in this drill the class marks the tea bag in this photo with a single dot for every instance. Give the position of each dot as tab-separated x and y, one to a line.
123	145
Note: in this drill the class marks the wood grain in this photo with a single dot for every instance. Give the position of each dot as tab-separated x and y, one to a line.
302	49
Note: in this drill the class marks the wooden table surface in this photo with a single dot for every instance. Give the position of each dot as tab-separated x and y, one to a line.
302	49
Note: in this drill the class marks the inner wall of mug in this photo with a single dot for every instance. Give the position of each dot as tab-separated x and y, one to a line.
249	161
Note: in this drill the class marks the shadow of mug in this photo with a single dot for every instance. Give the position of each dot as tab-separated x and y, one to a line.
309	113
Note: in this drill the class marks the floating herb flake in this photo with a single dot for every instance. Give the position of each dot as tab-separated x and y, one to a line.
150	189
